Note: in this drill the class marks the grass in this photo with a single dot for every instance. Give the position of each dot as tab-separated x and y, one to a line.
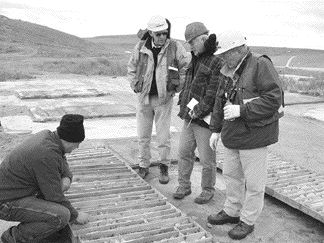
7	75
86	66
27	50
312	87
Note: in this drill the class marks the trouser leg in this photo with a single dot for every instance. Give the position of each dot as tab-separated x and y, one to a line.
207	158
234	181
144	118
187	146
38	219
254	163
162	116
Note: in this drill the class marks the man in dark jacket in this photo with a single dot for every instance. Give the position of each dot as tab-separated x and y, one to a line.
200	85
246	112
33	179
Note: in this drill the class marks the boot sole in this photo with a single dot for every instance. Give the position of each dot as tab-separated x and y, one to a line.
164	182
186	194
233	221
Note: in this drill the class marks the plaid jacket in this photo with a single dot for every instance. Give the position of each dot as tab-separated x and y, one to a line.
201	83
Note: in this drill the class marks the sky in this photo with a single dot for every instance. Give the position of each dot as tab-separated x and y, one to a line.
279	23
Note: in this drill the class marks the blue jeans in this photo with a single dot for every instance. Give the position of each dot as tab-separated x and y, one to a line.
38	219
193	136
161	115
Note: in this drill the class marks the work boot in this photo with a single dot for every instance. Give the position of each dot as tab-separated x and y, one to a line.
204	197
222	218
181	192
164	174
240	231
143	172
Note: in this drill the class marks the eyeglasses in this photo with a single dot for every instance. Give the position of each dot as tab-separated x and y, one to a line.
161	33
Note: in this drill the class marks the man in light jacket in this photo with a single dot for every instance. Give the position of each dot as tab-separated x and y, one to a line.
156	71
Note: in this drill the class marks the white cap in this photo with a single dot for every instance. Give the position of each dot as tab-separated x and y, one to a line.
157	23
229	40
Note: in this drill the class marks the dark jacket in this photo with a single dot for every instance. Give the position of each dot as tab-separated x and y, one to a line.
35	168
201	83
259	94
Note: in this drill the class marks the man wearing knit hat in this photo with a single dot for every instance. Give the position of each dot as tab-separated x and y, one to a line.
156	71
33	179
200	85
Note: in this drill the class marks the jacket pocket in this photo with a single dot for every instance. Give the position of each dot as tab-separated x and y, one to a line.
5	211
264	122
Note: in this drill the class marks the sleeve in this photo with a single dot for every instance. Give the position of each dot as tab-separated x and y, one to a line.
270	89
205	105
48	179
183	58
217	117
66	170
131	66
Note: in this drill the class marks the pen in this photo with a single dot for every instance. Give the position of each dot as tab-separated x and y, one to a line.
189	123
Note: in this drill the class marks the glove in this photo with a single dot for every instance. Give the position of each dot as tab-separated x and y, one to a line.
231	112
66	183
214	140
82	218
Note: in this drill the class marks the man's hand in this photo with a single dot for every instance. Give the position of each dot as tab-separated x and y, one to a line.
214	140
231	112
66	183
192	114
82	218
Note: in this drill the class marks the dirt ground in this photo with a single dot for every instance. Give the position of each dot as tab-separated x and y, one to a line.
301	141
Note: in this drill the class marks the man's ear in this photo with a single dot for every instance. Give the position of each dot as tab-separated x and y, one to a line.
150	32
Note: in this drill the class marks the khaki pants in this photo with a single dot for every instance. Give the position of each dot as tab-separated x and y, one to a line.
245	175
161	115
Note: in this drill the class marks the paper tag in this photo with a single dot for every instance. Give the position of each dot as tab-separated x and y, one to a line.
173	68
207	118
249	100
192	103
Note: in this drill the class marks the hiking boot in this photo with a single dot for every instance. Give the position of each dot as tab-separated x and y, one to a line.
204	197
240	231
222	218
143	172
164	174
181	193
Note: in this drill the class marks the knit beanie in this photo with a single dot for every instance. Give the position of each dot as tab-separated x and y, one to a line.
71	128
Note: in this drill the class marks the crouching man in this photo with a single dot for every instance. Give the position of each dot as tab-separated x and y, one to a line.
33	179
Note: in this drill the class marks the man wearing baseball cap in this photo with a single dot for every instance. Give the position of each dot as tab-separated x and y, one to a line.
201	84
156	71
33	179
247	117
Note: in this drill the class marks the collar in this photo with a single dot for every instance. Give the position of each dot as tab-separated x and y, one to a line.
230	72
155	46
59	142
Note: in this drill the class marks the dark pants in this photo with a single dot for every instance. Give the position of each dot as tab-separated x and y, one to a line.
38	219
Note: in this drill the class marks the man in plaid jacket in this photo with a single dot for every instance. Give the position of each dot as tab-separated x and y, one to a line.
200	86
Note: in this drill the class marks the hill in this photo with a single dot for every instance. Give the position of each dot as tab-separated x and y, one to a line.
279	55
17	36
28	50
